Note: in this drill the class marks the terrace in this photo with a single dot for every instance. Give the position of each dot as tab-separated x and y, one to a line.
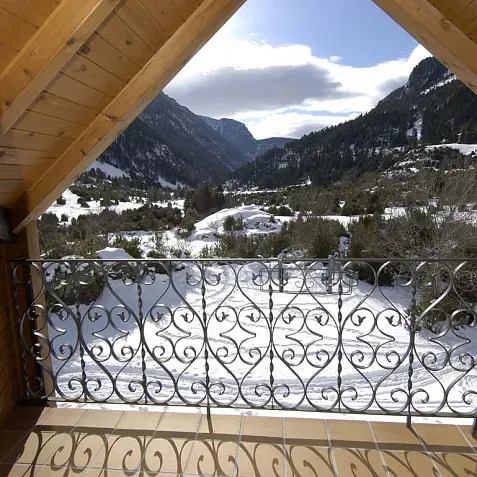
244	367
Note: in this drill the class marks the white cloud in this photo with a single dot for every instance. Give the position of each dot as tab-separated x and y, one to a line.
259	83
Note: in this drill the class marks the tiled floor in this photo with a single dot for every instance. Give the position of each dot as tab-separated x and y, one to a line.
73	442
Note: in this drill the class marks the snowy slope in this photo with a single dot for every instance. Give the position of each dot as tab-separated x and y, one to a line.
108	169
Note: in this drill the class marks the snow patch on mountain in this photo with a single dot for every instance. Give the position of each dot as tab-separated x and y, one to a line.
108	169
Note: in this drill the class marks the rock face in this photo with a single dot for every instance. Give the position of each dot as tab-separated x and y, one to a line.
168	143
238	135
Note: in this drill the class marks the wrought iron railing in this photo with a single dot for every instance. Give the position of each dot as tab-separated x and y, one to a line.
377	336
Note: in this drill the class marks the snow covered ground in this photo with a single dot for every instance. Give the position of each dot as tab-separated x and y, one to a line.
73	210
168	310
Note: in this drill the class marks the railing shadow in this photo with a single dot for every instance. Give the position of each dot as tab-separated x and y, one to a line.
67	451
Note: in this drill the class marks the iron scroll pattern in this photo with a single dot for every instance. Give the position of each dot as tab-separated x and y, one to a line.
230	333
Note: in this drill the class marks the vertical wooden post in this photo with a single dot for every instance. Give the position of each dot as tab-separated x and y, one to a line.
26	246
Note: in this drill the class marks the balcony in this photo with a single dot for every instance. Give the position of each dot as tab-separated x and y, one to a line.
245	368
68	442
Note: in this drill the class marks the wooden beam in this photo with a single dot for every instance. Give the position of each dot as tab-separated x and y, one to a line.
130	102
46	53
440	36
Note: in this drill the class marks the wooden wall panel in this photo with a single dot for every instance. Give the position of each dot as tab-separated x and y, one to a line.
41	123
32	11
8	362
121	37
466	20
35	142
76	92
14	31
90	74
138	18
451	8
61	108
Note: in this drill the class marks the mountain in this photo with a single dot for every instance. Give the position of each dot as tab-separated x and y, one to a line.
432	108
240	137
168	143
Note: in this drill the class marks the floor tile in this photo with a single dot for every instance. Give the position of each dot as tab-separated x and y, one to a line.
166	454
87	446
467	430
212	457
456	465
412	464
395	436
18	470
313	430
60	418
139	421
219	424
100	419
269	428
360	463
350	434
309	461
120	453
180	423
261	460
442	438
24	418
39	448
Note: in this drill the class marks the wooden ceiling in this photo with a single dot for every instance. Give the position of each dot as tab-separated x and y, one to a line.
75	73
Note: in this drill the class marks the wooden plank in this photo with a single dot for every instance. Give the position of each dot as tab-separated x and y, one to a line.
72	90
167	15
121	37
86	72
186	7
14	31
100	52
451	8
466	20
48	50
428	26
15	171
40	123
22	156
136	95
6	56
35	142
57	107
32	11
138	18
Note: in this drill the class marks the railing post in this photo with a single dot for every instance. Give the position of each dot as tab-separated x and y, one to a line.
280	276
412	339
331	271
340	338
270	317
206	341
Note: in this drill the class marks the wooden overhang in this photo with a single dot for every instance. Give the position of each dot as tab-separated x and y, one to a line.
75	73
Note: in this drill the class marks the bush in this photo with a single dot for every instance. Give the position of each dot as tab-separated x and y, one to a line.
131	247
325	239
64	218
233	224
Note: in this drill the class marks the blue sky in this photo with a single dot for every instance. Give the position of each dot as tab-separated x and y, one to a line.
356	30
289	67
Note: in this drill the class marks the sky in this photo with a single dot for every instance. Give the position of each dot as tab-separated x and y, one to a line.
289	67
